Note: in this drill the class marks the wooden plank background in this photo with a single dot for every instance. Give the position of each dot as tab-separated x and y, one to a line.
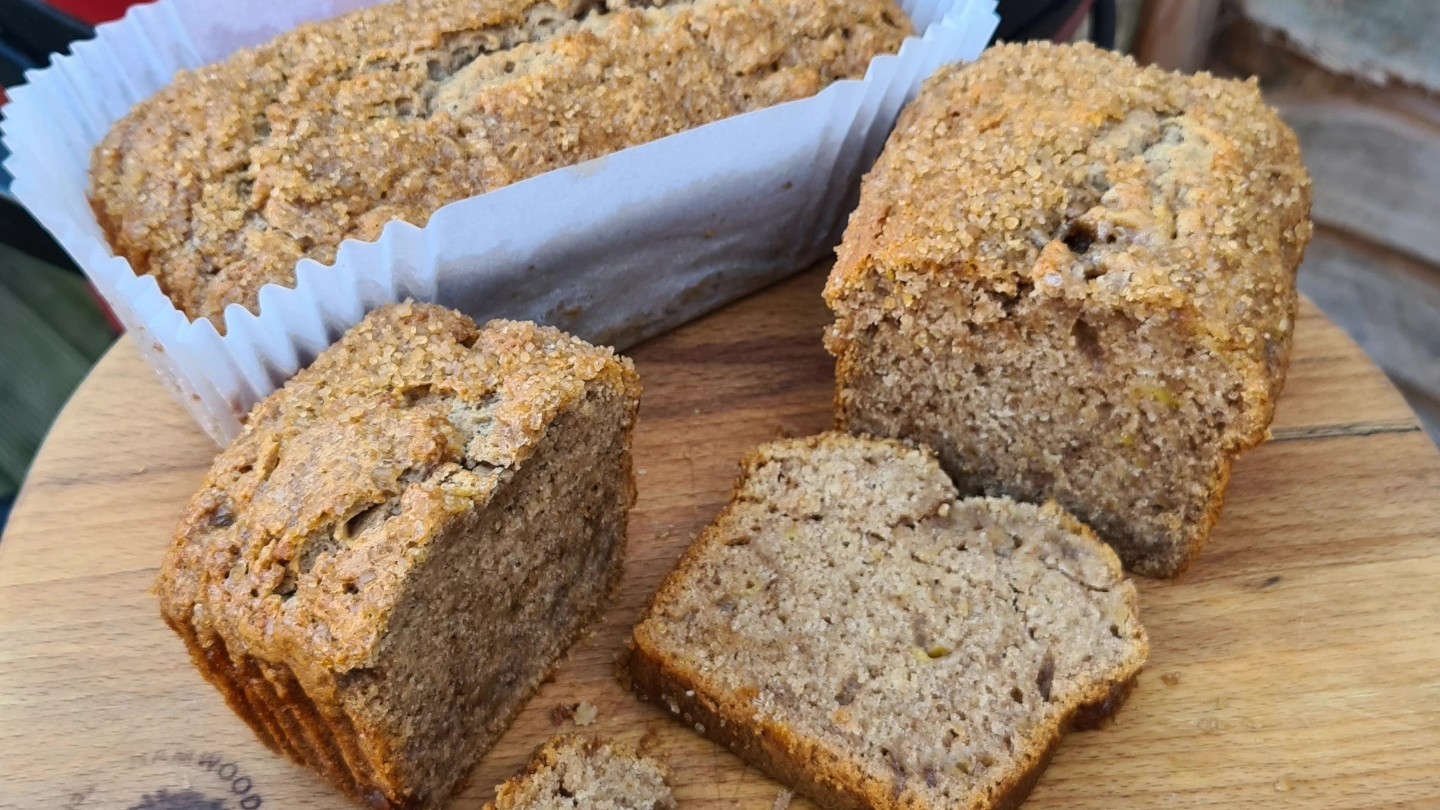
1360	84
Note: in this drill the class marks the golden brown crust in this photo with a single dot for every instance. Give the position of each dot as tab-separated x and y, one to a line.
1181	195
225	179
656	671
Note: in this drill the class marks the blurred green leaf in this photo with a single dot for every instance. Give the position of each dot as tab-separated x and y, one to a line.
51	333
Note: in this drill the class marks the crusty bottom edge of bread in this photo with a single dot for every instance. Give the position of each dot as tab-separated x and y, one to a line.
798	763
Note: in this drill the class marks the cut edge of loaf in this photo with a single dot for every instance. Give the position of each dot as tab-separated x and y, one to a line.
1139	448
803	764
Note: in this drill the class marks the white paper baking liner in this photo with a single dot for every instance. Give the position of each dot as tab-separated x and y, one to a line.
614	250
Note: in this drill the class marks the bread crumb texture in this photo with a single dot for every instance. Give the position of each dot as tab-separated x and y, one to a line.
1075	278
403	540
586	714
587	773
853	628
226	178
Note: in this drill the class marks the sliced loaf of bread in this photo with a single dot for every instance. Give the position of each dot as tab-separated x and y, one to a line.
850	627
1074	277
579	771
404	540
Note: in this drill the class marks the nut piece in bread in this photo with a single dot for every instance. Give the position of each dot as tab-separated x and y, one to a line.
1075	279
403	541
851	628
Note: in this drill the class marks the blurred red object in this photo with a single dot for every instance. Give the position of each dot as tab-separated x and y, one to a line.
93	11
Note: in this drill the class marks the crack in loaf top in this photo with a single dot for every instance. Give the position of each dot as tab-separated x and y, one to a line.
225	179
1072	172
305	528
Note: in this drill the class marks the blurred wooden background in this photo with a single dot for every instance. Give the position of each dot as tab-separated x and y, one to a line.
1359	81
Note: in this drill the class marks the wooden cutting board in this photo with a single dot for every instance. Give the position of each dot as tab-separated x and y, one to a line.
1296	665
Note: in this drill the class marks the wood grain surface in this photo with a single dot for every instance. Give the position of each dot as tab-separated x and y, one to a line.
1296	665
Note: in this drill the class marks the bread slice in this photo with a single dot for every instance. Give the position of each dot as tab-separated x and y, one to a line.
852	629
581	772
1075	279
403	541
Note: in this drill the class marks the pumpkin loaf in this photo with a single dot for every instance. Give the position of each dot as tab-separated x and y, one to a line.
579	772
222	181
403	541
1075	278
854	629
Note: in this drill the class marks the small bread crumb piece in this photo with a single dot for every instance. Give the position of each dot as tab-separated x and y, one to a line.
563	712
585	714
782	800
